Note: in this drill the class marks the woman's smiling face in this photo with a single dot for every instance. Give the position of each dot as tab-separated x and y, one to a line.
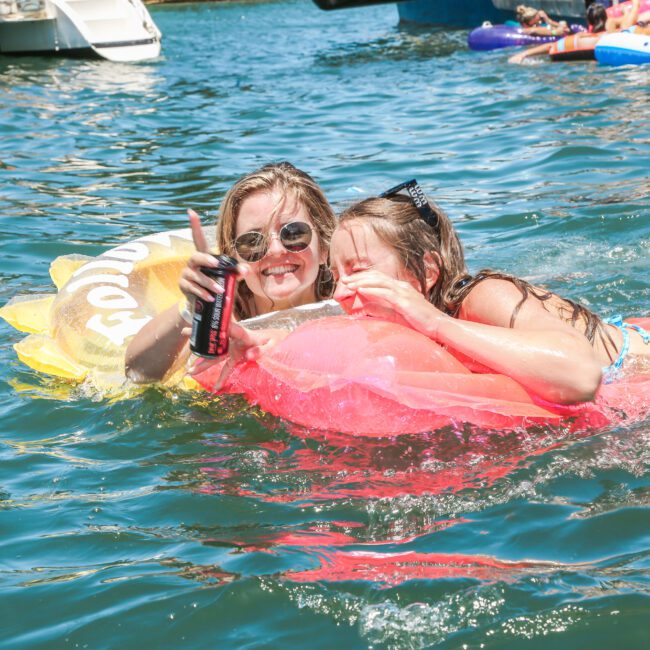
281	279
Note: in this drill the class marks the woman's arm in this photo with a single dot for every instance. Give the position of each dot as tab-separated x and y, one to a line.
538	50
630	17
542	352
162	342
538	31
625	20
157	347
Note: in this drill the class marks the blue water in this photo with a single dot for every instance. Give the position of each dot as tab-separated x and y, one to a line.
171	521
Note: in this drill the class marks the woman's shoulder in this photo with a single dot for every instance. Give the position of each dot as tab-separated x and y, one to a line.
491	300
500	299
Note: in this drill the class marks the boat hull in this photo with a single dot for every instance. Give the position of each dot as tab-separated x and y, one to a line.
462	14
46	35
466	14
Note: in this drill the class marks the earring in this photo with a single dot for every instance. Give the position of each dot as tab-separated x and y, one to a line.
325	274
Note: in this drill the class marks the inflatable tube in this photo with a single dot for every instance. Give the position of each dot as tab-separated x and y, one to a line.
493	37
81	333
575	48
385	379
336	373
616	11
623	48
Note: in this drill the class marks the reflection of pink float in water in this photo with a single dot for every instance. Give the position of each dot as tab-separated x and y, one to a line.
390	569
340	558
378	378
342	466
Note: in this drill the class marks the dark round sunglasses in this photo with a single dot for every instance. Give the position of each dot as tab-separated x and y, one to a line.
252	246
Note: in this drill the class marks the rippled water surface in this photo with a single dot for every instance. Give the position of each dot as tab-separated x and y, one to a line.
169	520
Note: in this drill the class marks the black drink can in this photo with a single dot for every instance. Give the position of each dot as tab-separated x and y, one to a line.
211	320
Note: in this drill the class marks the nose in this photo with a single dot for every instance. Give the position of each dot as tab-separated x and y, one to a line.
349	300
275	245
342	292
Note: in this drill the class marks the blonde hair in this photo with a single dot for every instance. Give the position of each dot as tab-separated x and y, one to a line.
525	14
287	179
398	224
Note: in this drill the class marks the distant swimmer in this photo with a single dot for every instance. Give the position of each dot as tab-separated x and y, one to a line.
536	22
598	22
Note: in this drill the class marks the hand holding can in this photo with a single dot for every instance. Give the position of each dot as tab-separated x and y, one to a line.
211	319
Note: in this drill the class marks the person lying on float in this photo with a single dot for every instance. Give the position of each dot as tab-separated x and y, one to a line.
537	22
598	22
399	257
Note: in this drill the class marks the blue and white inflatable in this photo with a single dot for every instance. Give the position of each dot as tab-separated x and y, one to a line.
623	48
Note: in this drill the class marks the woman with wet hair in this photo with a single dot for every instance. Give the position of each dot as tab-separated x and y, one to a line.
398	257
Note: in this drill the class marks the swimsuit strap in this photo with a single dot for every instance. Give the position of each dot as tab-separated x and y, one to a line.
617	321
610	371
623	325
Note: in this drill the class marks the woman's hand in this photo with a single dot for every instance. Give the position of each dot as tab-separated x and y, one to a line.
244	345
161	344
517	58
193	283
376	294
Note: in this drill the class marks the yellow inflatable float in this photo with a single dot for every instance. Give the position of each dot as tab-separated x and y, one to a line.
81	332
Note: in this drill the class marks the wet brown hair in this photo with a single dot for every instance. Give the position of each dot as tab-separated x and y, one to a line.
289	180
596	17
398	224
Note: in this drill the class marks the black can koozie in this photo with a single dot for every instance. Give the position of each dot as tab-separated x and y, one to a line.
211	320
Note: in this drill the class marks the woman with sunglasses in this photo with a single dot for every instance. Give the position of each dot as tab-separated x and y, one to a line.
399	258
277	223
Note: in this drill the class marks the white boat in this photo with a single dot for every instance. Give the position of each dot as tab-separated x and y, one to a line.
117	30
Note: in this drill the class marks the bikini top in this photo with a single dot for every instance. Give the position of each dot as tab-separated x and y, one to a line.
611	372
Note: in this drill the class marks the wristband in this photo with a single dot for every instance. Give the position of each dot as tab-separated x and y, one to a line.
184	311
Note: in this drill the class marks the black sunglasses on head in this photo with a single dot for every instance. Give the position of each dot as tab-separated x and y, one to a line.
417	197
252	246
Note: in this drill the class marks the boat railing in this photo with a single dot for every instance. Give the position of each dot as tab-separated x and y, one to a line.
147	21
19	9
